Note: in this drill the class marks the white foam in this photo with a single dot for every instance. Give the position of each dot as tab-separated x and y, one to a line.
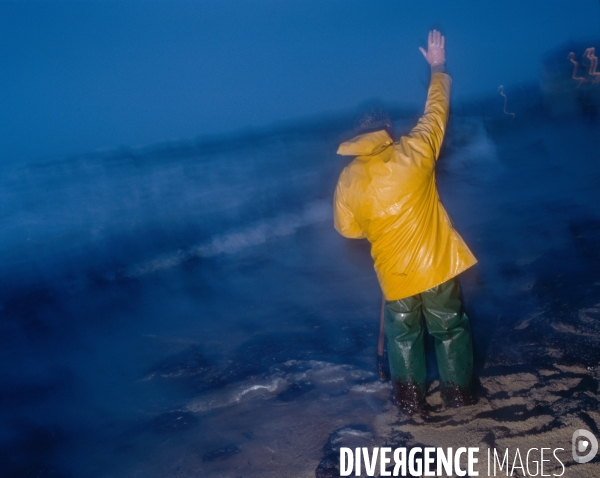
371	387
326	377
229	396
232	243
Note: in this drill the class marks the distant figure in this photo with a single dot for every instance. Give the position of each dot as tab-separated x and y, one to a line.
388	195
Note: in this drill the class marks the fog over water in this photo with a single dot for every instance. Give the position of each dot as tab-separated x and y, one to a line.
80	75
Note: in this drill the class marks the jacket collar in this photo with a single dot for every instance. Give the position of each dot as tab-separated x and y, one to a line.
366	144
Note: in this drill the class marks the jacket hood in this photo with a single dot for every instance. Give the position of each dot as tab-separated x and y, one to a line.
365	144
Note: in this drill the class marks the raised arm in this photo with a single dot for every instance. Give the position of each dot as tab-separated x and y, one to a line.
431	127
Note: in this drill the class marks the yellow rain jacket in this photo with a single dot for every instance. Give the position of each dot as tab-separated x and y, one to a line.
388	195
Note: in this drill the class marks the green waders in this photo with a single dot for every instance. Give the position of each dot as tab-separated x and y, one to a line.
441	308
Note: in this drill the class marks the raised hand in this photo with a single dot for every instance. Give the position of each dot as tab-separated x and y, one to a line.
436	49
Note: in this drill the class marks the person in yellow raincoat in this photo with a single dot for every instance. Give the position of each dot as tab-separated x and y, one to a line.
388	195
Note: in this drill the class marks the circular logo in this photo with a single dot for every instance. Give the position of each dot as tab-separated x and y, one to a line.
583	445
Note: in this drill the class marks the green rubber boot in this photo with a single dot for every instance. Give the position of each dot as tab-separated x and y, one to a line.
406	352
449	325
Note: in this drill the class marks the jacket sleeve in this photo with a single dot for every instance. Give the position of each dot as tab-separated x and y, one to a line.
429	132
343	219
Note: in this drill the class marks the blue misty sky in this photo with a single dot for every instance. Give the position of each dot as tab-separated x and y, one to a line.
87	75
